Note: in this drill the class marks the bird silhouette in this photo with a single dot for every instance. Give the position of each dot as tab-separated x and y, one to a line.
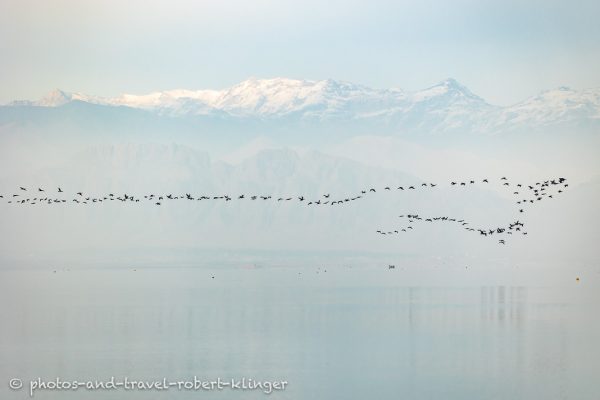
540	190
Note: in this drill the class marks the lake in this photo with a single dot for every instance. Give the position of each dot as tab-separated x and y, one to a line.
331	333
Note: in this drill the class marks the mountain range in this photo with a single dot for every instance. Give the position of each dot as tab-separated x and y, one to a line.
446	107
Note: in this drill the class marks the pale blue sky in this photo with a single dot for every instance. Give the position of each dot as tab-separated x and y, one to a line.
502	50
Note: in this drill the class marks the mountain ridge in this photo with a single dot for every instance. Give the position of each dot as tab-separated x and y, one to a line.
448	105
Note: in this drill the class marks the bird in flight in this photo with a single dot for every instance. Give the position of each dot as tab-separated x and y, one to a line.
541	190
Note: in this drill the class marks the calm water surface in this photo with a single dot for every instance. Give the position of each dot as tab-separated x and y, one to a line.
331	335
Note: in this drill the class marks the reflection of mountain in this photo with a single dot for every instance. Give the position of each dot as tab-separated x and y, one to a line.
445	107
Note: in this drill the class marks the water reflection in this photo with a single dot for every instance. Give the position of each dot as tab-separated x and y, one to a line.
328	342
500	303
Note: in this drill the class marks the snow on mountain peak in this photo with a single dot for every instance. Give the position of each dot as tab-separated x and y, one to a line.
554	106
448	88
56	98
266	97
447	105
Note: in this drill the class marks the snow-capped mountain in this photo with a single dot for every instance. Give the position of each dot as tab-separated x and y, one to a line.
561	105
253	97
447	106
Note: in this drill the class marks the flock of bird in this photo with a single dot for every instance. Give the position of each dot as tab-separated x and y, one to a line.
525	195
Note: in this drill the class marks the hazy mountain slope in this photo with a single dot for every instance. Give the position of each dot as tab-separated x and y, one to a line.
266	225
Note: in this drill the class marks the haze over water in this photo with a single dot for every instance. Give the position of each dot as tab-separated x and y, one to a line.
351	333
